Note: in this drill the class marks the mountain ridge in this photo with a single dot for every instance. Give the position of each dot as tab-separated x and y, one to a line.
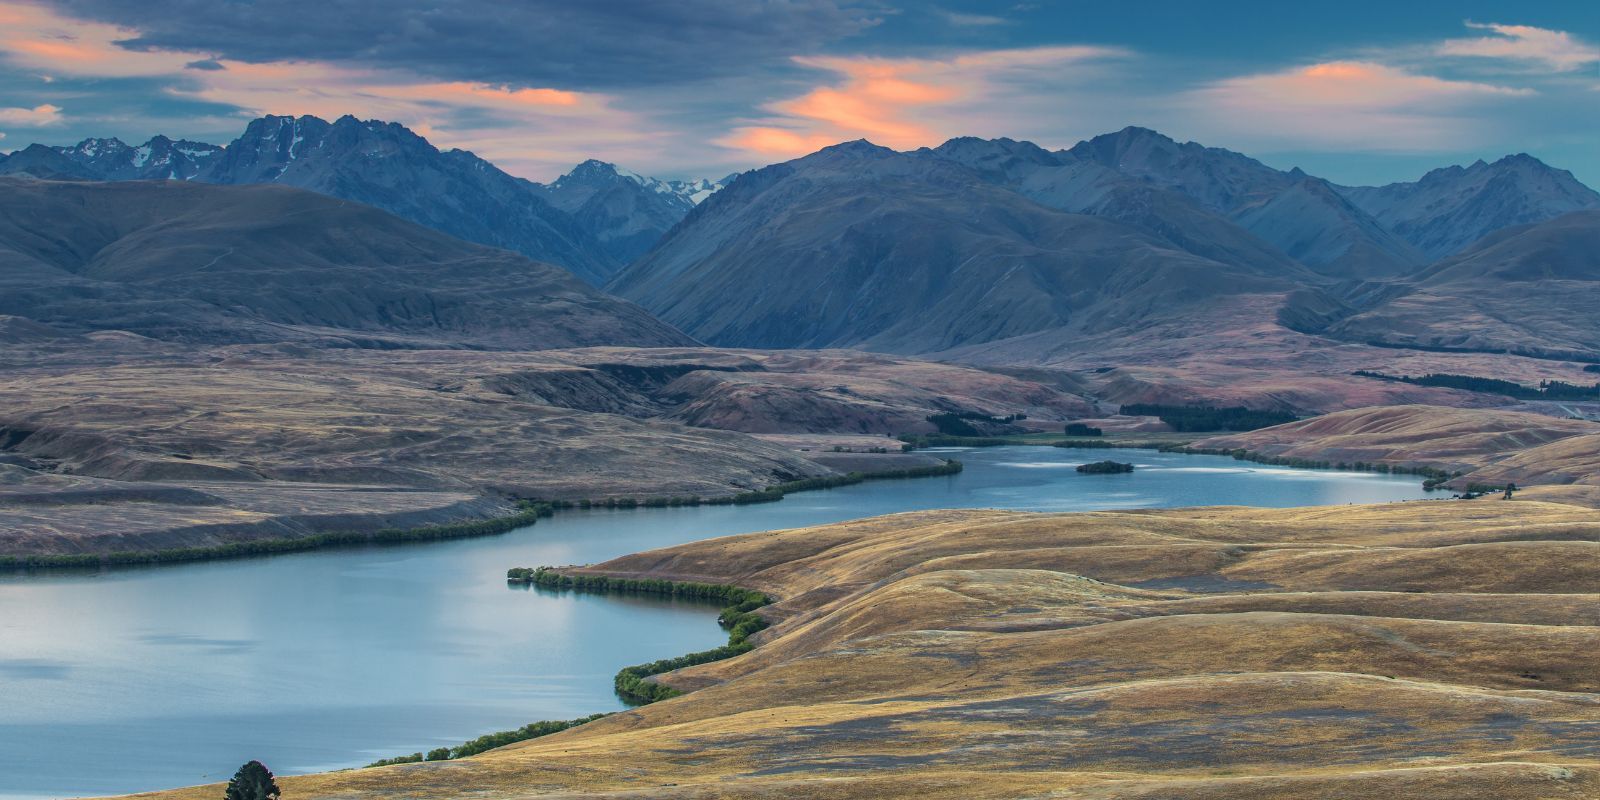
206	264
389	166
934	256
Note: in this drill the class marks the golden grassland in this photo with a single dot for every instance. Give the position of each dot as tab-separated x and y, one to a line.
1483	446
1431	649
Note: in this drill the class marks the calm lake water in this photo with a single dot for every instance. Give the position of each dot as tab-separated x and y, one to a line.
141	679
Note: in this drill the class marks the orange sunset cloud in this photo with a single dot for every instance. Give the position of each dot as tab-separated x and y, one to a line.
39	40
1367	105
892	101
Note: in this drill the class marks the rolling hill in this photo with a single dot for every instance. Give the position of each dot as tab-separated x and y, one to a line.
1403	650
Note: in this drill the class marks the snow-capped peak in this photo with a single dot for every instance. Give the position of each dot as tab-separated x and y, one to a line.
595	171
93	148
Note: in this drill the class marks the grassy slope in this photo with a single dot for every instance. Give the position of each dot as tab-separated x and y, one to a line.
1484	445
1426	649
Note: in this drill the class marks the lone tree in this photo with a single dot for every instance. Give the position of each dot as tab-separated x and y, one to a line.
253	781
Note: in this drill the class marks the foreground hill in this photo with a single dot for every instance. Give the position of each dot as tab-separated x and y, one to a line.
1415	650
861	246
1531	289
208	264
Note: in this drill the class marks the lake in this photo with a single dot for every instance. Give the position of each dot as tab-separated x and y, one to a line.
138	679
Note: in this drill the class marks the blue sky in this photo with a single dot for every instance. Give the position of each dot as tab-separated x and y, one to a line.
1358	92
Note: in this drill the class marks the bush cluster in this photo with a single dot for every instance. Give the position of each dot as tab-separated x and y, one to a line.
490	741
1546	390
1207	418
959	423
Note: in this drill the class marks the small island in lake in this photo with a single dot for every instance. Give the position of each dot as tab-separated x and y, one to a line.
1105	468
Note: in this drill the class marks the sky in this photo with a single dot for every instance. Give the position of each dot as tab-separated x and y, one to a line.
1354	91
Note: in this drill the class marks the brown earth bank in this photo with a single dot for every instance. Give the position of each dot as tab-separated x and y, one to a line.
112	444
1239	351
1414	650
1484	446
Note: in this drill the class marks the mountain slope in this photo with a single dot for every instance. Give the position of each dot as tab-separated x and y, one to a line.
200	263
1531	289
1087	187
1450	208
591	221
858	245
47	163
158	159
1316	225
1286	209
387	166
624	212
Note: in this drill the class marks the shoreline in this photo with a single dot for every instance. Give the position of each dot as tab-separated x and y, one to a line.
531	512
739	617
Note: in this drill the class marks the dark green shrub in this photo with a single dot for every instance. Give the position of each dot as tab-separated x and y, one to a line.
1207	418
1546	390
253	781
490	741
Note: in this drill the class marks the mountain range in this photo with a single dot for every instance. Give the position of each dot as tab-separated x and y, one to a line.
592	221
974	242
1128	234
861	246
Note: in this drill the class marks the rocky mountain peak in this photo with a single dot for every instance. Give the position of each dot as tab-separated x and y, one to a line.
856	148
1449	208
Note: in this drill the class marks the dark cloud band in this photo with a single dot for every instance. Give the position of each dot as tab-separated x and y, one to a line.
592	45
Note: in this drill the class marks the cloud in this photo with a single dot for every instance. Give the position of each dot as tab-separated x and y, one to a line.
530	130
1350	105
40	116
1556	50
906	103
597	45
34	38
962	20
